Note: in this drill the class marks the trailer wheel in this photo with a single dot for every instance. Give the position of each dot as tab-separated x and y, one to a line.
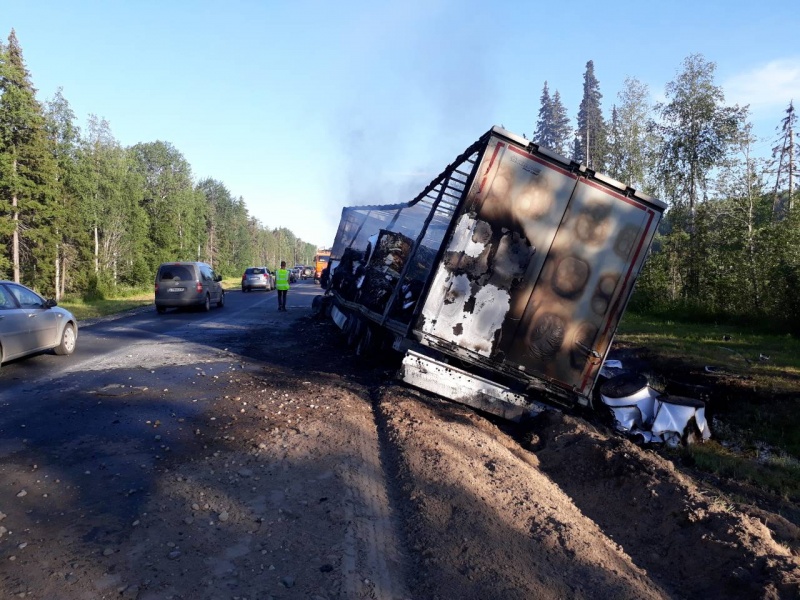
364	345
354	327
316	305
320	306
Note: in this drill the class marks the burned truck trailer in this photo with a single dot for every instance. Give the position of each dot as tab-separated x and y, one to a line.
503	281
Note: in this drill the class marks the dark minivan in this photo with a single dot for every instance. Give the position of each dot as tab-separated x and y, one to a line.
182	284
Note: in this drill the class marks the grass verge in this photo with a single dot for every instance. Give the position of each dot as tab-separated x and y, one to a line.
101	307
93	308
755	395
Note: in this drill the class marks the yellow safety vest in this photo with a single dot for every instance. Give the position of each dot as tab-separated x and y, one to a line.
282	279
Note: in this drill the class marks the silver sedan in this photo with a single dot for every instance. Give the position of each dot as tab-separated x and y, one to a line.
29	323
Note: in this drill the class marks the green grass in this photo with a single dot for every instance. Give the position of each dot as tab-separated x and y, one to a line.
90	308
101	307
706	343
777	475
756	402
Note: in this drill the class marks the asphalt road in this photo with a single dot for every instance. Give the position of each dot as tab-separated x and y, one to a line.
128	375
100	339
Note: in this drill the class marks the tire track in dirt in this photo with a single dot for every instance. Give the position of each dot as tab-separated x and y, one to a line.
371	535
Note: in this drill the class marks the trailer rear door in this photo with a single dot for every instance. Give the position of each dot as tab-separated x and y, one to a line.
538	268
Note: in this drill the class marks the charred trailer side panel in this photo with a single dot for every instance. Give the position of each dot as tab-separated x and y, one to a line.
514	264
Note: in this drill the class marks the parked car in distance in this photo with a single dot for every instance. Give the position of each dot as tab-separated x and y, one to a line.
257	278
292	275
186	284
29	323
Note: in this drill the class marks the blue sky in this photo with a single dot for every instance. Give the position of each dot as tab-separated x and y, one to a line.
302	107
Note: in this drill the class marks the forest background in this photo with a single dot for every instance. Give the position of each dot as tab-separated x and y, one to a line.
82	215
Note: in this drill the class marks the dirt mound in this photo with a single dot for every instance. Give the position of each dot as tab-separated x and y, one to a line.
691	541
482	521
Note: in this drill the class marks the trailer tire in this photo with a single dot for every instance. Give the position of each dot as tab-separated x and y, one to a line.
364	344
354	327
321	306
316	305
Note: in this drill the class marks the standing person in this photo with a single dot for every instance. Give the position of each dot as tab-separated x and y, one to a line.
282	285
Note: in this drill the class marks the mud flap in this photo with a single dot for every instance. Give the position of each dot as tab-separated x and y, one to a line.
338	317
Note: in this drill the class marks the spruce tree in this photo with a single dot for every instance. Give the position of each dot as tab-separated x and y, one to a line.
784	162
552	127
27	173
543	135
562	132
591	136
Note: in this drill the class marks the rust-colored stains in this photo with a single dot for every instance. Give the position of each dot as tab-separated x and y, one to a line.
536	200
496	209
603	292
582	341
569	305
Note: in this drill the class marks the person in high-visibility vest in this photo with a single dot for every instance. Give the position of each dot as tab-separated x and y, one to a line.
282	285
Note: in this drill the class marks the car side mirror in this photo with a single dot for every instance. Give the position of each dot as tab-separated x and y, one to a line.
50	303
217	277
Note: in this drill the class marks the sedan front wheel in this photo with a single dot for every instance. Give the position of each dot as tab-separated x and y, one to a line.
68	339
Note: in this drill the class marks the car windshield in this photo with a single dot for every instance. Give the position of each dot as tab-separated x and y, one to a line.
178	272
256	271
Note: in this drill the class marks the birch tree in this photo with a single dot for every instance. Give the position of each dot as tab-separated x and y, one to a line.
697	131
632	147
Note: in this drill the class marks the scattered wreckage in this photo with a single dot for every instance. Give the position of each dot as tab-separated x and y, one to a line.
648	415
503	283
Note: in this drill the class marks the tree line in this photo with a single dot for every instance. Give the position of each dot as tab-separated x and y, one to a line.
729	244
81	214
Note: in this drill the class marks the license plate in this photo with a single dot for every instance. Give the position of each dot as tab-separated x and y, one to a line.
176	290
